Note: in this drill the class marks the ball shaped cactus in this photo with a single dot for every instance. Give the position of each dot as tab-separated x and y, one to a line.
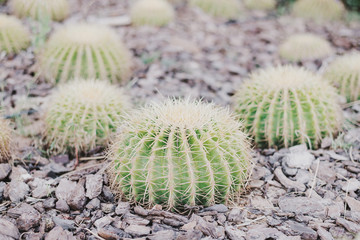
223	8
56	10
344	73
319	10
260	4
84	114
180	152
85	51
13	35
305	46
152	12
285	106
5	141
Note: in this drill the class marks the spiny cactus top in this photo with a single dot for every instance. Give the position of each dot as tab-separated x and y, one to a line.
180	152
5	141
344	72
305	46
285	106
84	114
13	35
152	12
319	10
260	4
85	51
56	10
223	8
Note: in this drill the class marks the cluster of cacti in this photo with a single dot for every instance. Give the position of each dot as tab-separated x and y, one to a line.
13	35
285	106
319	10
180	152
305	46
260	4
223	8
84	114
85	51
152	12
56	10
344	73
5	141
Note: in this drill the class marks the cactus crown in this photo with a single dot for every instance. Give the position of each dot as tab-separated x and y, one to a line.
223	8
84	114
56	10
285	106
344	73
85	51
14	36
305	46
260	4
180	152
5	141
152	12
319	10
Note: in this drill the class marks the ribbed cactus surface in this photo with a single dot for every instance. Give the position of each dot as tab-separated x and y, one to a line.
223	8
344	73
260	4
152	12
85	51
84	114
180	152
5	141
319	10
56	10
13	35
285	106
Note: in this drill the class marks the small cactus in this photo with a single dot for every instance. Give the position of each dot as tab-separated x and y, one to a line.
180	152
152	12
223	8
305	46
319	10
85	51
344	73
5	141
56	10
260	4
286	106
84	114
13	35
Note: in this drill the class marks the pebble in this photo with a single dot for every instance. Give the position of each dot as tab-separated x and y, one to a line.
233	233
301	160
323	234
8	230
64	223
93	204
5	169
348	225
264	233
59	234
163	235
104	221
16	190
62	206
287	182
111	233
122	208
26	216
77	198
301	205
220	208
94	185
138	230
351	185
353	204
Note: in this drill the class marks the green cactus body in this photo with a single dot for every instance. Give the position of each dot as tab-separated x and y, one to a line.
5	141
152	12
285	106
216	8
180	152
260	4
344	73
319	10
85	51
84	114
13	35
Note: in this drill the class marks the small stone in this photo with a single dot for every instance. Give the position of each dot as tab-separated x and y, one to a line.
189	226
302	160
287	182
138	230
335	156
49	203
289	171
209	229
59	234
256	183
122	208
351	185
8	229
141	211
41	188
107	207
33	236
5	169
64	223
303	176
353	204
236	215
324	235
301	205
62	206
326	171
17	190
193	235
94	185
333	211
2	190
350	226
294	228
111	233
132	219
163	235
61	159
65	189
77	198
108	195
233	233
326	142
20	174
102	222
220	208
93	204
26	216
264	233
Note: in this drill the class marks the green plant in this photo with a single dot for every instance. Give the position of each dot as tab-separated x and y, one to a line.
152	12
85	51
223	8
57	10
5	141
305	46
353	5
260	4
285	106
180	152
319	10
344	73
84	114
13	35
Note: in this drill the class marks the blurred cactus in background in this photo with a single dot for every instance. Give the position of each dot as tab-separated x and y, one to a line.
223	8
5	141
319	10
260	4
152	12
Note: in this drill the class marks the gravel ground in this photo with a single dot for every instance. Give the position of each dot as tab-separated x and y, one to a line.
294	193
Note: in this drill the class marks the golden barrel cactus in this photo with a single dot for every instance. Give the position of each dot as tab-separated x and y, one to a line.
5	141
223	8
319	10
152	12
260	4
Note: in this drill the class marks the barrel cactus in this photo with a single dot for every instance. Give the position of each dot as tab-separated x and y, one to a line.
286	106
223	8
319	10
260	4
14	36
152	12
344	73
180	152
5	141
56	10
84	114
305	46
85	51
